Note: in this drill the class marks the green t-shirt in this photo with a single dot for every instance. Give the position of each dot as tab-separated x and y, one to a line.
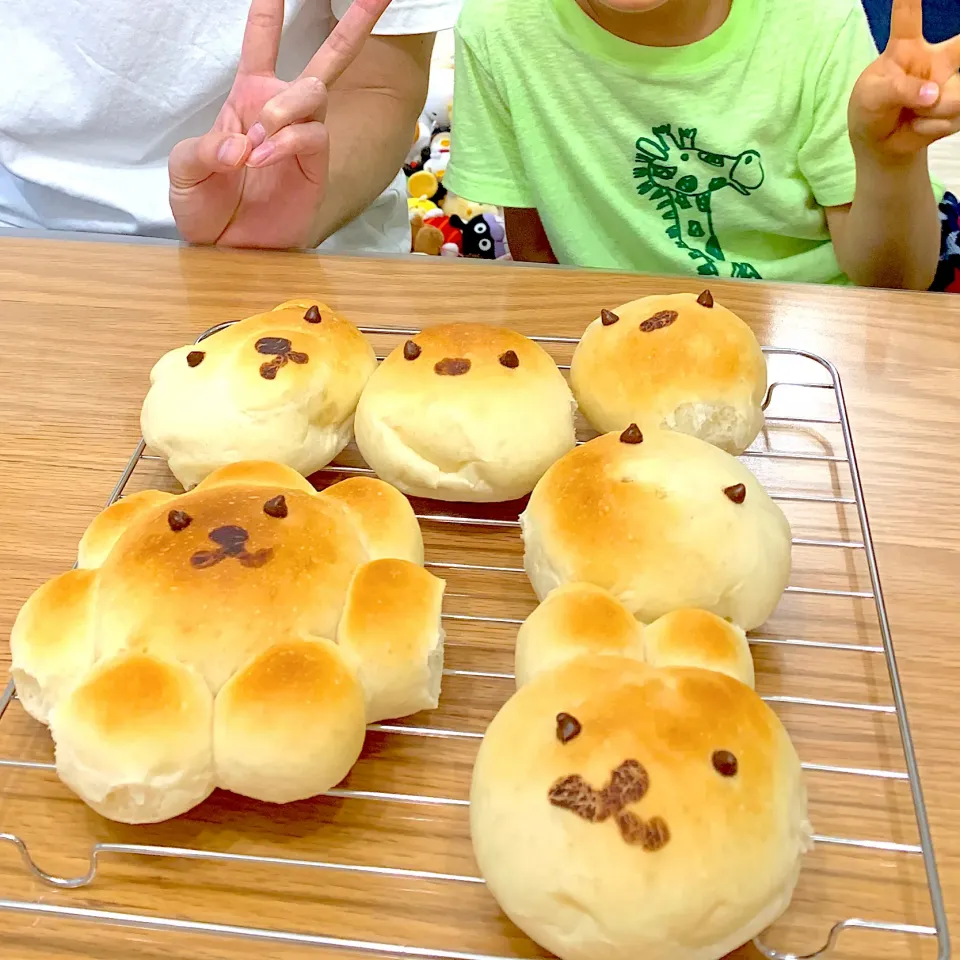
715	158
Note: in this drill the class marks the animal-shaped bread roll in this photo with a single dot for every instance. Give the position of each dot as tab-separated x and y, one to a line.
282	386
634	804
465	412
678	361
663	521
194	645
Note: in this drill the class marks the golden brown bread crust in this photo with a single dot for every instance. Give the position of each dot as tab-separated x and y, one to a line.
257	473
601	782
224	587
698	638
391	635
290	724
101	536
239	586
276	386
701	372
465	412
52	643
573	620
480	344
129	698
134	738
651	522
389	528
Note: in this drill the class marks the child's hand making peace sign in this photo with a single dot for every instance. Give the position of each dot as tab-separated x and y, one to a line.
910	97
259	176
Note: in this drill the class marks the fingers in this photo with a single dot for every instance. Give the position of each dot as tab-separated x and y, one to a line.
895	91
346	41
935	129
951	50
261	37
304	99
308	142
906	20
947	107
193	161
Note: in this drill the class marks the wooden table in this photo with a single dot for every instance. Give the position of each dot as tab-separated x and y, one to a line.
80	326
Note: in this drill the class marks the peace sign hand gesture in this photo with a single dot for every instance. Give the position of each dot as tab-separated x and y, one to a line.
259	176
910	96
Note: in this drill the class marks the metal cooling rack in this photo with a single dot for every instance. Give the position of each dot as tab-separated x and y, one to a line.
924	849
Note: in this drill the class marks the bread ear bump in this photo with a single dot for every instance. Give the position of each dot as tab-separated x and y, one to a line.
110	525
696	638
576	619
383	515
257	473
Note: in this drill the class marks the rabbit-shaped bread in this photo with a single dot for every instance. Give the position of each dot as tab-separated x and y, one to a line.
635	797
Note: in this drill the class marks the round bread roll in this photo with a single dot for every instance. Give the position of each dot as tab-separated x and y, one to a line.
290	724
663	521
465	412
392	636
51	644
282	386
620	811
575	619
676	361
134	738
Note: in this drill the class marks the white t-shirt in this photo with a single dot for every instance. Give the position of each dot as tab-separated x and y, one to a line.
93	96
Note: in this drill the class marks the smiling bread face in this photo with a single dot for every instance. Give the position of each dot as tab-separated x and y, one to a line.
282	385
195	647
627	804
465	412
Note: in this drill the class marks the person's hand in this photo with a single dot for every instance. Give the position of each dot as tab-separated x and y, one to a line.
910	96
257	178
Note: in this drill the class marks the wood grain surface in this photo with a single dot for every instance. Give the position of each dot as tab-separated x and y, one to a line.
80	326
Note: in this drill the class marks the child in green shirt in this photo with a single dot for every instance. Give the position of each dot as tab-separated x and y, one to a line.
735	138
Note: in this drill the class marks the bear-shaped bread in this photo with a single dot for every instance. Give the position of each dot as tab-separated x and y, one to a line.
625	808
280	386
194	644
663	521
677	361
465	412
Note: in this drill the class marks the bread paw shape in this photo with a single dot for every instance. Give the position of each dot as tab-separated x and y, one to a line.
282	386
663	521
465	412
241	635
636	802
678	361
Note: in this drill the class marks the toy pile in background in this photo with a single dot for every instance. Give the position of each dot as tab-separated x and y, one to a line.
441	223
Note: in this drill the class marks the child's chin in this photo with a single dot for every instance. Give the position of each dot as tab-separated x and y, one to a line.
632	6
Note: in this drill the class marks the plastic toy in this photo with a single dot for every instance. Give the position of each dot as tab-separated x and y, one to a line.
483	236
